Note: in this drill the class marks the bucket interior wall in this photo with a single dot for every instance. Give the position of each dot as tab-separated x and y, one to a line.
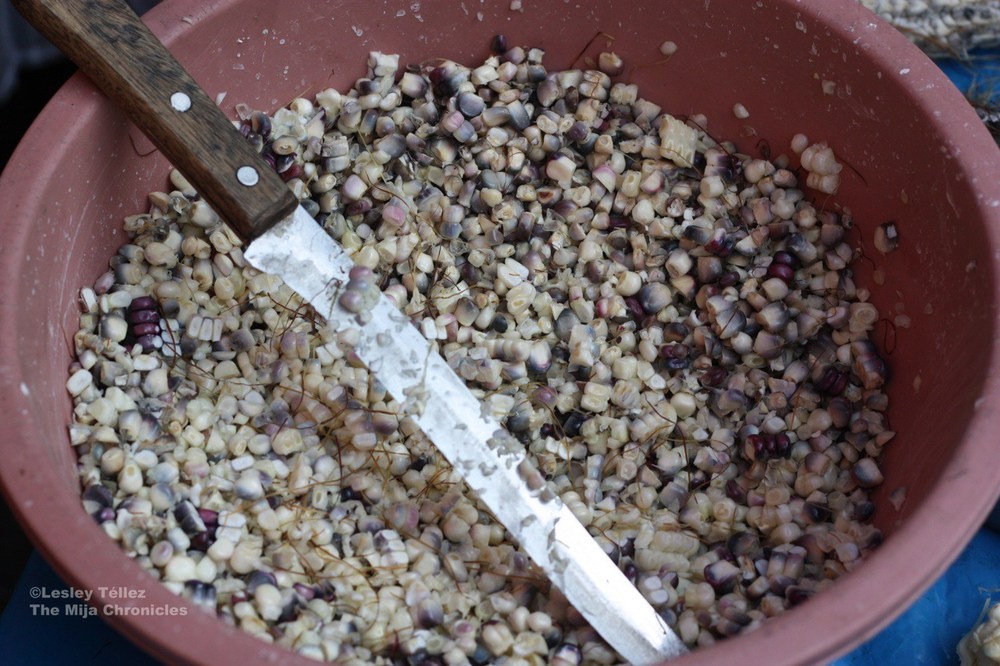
790	73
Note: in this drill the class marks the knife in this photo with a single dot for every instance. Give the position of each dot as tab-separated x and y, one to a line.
123	58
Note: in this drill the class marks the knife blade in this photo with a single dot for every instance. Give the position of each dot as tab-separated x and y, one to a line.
109	43
492	463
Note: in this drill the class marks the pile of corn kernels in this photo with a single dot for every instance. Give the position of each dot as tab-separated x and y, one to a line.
671	328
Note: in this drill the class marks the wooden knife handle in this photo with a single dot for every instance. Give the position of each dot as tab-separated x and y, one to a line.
122	57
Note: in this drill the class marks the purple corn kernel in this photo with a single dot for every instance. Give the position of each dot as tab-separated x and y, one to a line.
868	365
290	611
567	653
770	446
782	445
794	563
617	222
755	497
141	330
564	208
698	480
733	613
361	273
816	513
429	614
149	342
293	171
571	426
832	381
674	350
722	576
349	494
737	493
359	207
675	331
470	105
145	316
817	462
728	279
779	584
796	594
258	578
324	591
260	123
776	564
758	588
544	395
778	231
189	518
366	86
709	269
519	117
863	511
725	627
814	552
202	541
698	234
612	550
143	303
255	140
200	593
452	121
304	591
269	158
674	364
802	249
743	543
713	377
209	517
635	308
441	80
781	271
577	132
99	494
705	292
470	273
782	257
283	162
831	235
603	306
629	569
670	578
758	447
721	245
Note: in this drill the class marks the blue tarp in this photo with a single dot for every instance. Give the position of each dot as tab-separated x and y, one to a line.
930	630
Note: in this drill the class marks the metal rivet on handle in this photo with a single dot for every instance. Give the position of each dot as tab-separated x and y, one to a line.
180	101
247	175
